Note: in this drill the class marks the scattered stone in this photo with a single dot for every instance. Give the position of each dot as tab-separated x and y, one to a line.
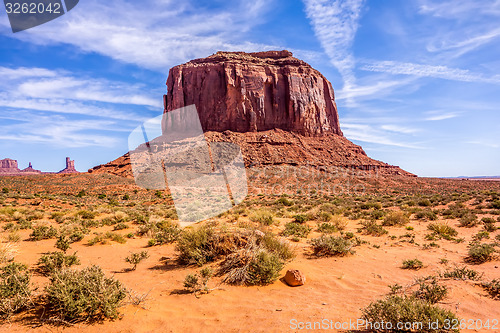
295	278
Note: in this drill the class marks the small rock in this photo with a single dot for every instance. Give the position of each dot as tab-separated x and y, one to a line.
295	278
259	233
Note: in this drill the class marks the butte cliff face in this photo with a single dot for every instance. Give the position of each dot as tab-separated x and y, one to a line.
251	92
277	108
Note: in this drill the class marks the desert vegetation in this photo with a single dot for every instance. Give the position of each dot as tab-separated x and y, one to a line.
83	240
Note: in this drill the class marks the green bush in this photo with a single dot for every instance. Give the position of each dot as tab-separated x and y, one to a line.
327	228
262	216
250	266
5	190
480	253
284	201
426	214
296	229
462	273
62	243
135	258
120	226
84	295
43	232
412	264
372	228
55	261
469	221
300	218
430	291
442	230
264	268
198	283
404	309
166	233
396	218
15	292
332	246
202	245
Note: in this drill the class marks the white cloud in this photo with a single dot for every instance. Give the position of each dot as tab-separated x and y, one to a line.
438	115
441	72
152	34
399	129
335	24
367	133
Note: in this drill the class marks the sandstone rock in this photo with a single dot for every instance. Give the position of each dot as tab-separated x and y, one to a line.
70	167
9	166
295	278
250	92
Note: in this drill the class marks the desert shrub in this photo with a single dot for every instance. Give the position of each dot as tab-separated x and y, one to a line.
469	221
371	228
84	295
300	218
332	246
338	221
55	261
327	228
62	243
277	246
495	204
481	235
461	273
102	238
442	230
406	309
426	214
492	287
424	202
429	290
120	226
296	229
5	190
86	214
398	218
43	232
202	245
489	224
262	216
135	258
166	233
412	264
258	262
264	268
198	283
480	253
284	201
15	292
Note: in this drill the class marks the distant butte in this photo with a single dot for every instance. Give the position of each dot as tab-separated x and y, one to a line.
9	167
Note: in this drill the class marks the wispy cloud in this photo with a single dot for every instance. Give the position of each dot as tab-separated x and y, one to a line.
484	144
370	134
61	92
399	129
59	131
335	24
420	70
441	116
152	34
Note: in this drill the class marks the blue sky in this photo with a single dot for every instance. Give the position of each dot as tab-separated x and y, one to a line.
417	82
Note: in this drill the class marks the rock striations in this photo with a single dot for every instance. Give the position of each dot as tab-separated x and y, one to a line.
251	92
277	108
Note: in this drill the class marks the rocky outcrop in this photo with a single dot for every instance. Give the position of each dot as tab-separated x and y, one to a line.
278	109
9	166
31	170
70	167
251	92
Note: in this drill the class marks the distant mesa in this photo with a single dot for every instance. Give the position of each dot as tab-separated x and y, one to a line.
9	167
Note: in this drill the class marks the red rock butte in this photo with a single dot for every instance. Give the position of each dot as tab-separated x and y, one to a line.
277	108
250	92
